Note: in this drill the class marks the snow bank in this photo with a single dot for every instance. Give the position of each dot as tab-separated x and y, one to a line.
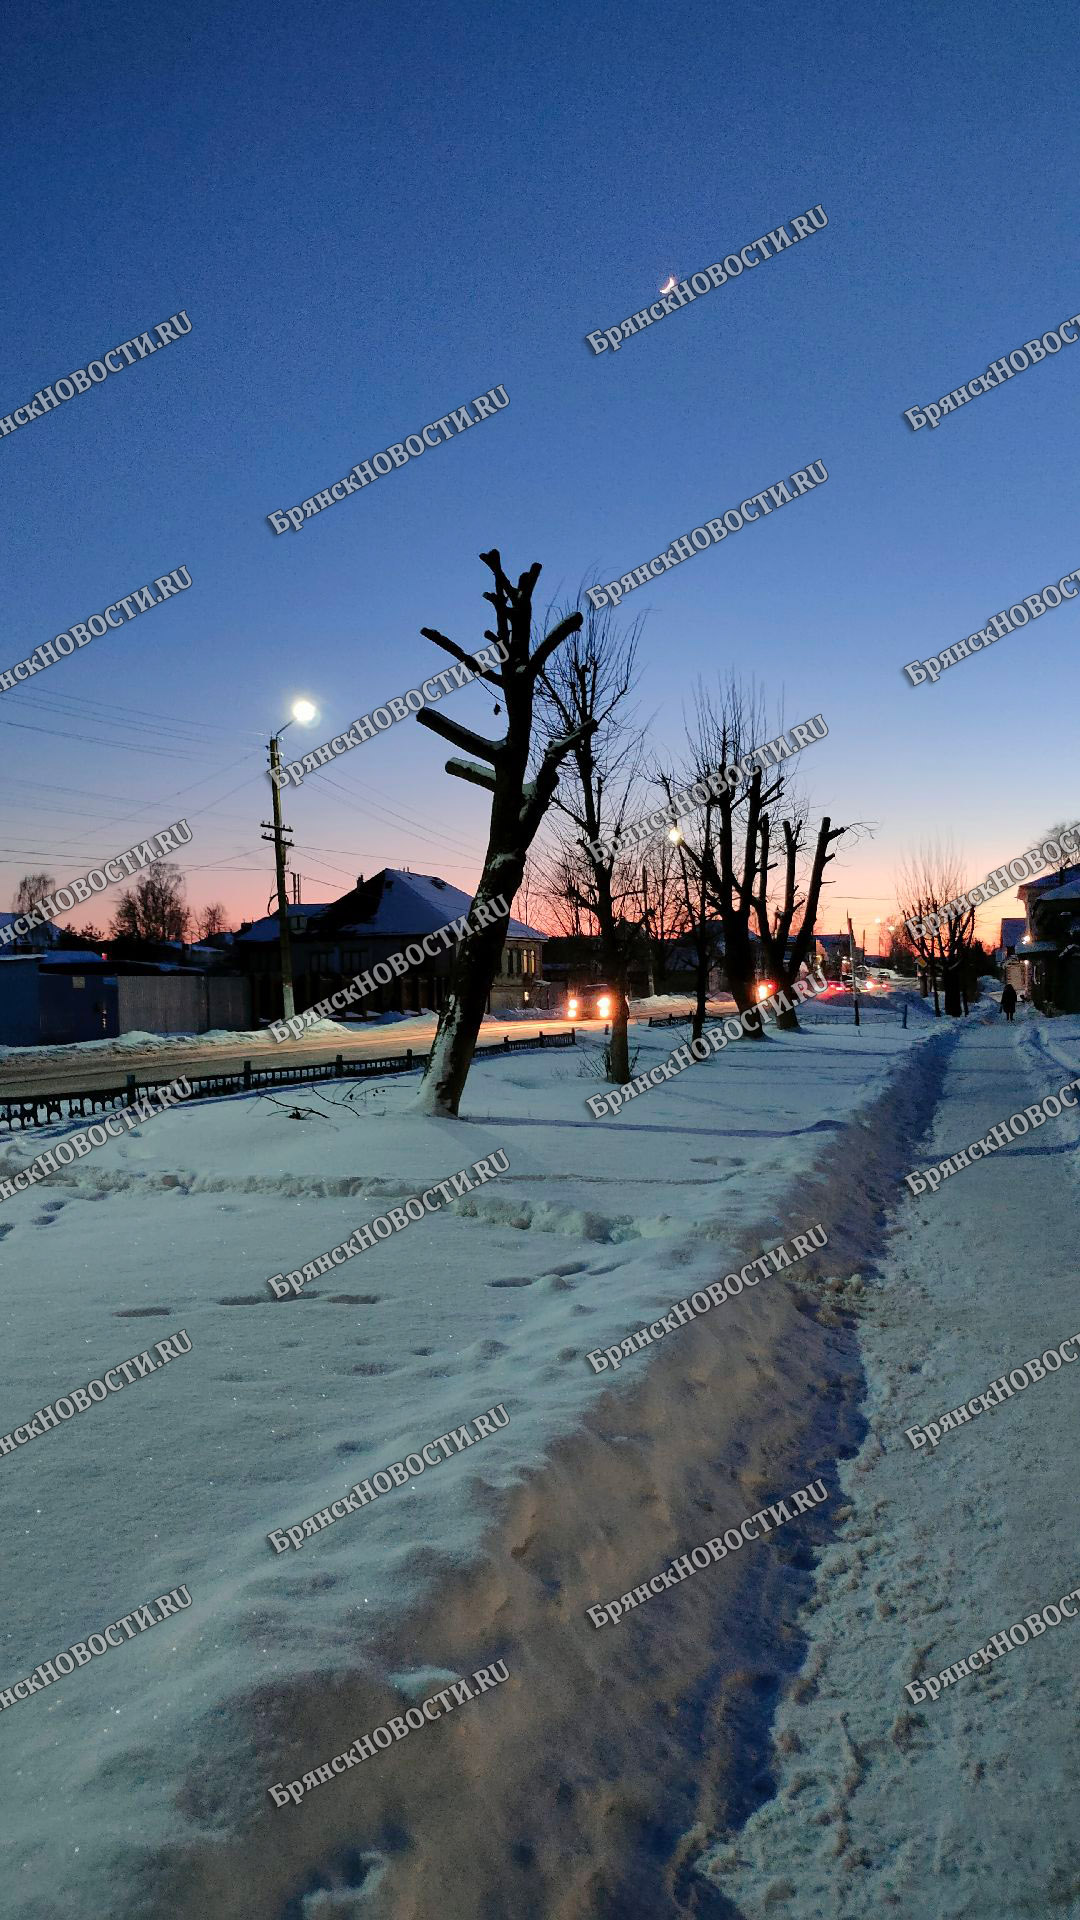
160	1756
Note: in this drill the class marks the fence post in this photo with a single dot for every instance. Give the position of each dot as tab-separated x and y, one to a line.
408	1057
247	1076
339	1066
540	1036
131	1089
506	1043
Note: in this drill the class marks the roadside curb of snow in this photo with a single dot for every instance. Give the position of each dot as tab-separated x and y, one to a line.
587	1783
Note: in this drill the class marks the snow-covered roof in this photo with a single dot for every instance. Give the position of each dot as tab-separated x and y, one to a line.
1070	891
1036	946
1050	883
403	905
67	956
42	935
267	928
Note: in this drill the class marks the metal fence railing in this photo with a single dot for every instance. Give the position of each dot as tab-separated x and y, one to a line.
37	1110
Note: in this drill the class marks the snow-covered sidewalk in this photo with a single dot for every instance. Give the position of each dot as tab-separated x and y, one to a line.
967	1806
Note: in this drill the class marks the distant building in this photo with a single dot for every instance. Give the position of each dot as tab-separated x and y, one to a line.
332	943
38	940
56	998
1009	939
1046	960
834	952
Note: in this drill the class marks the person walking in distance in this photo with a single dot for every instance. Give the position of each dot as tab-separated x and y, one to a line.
1008	1002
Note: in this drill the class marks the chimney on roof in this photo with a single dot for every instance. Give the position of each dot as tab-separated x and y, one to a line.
359	879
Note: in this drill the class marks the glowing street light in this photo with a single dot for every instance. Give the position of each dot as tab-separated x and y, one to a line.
675	835
303	710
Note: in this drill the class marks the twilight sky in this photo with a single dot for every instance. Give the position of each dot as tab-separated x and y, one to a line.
374	213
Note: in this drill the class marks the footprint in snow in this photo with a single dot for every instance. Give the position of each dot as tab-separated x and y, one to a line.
510	1283
140	1313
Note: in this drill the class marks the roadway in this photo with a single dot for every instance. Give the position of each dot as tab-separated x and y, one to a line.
25	1072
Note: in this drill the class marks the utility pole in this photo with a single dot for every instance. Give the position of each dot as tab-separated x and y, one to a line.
854	982
281	847
646	919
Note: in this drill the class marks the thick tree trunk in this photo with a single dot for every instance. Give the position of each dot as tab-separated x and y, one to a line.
613	971
953	998
619	1044
788	1022
701	991
740	972
475	964
744	993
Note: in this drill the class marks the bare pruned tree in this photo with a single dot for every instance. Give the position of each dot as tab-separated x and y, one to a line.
664	914
694	852
941	943
529	893
518	804
787	934
212	920
584	689
155	907
720	841
32	888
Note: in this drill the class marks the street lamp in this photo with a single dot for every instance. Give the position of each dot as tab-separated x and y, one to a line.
890	927
303	712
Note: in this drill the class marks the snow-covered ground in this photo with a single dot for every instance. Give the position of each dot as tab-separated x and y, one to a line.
970	1805
280	1407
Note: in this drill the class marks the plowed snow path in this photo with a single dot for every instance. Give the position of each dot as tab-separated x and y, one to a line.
968	1806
